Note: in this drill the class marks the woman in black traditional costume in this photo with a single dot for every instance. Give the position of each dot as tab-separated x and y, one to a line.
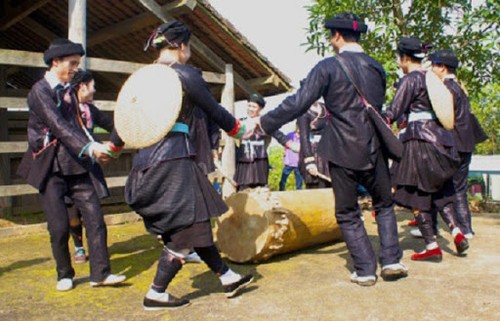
252	160
424	176
169	190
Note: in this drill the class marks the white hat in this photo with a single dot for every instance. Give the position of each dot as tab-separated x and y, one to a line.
148	105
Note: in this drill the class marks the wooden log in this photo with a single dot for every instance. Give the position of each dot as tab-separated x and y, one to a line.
261	224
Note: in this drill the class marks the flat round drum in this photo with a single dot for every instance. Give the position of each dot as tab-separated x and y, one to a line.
441	100
148	105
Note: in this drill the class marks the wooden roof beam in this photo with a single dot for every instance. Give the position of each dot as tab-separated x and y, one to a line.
262	81
16	14
118	29
198	46
138	22
40	30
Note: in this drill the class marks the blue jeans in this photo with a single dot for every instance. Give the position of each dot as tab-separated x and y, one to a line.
287	170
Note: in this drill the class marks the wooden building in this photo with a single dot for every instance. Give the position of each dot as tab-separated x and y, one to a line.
114	33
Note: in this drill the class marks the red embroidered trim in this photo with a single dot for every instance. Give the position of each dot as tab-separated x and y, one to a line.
114	148
235	129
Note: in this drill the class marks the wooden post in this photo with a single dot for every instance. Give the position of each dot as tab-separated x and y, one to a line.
77	26
5	202
229	152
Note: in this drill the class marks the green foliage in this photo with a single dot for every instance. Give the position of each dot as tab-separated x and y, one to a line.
472	32
486	107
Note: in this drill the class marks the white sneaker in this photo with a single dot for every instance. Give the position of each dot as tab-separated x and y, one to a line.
111	279
157	296
363	280
469	236
193	257
393	272
65	284
416	233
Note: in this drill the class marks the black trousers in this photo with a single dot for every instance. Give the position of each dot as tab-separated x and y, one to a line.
80	189
378	183
463	215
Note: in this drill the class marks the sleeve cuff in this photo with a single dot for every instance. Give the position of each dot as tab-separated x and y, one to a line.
87	150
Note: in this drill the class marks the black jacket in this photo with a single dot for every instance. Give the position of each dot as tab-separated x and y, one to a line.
348	139
163	185
467	131
412	97
53	117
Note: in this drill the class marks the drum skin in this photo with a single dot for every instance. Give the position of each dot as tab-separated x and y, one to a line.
148	105
441	100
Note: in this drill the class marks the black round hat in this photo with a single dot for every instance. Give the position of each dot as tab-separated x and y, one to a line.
412	47
61	48
258	99
444	57
346	21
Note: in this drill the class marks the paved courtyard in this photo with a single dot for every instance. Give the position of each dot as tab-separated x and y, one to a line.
312	284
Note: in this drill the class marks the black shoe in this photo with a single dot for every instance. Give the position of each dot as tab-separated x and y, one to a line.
172	303
231	290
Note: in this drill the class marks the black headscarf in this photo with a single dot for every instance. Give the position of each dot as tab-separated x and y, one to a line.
258	99
81	76
169	35
413	47
347	21
444	57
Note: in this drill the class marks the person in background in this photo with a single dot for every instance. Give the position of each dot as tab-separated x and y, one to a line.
467	133
83	84
252	162
311	125
62	161
291	161
423	177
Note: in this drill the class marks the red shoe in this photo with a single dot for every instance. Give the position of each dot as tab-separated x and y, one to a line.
461	243
412	223
434	255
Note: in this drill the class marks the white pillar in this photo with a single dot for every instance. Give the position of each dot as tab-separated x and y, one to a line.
77	25
229	153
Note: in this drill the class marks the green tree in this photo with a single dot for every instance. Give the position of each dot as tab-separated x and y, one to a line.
470	30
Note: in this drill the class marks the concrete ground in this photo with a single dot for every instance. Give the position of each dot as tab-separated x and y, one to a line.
312	284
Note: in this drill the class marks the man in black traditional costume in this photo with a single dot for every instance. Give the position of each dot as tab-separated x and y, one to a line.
252	160
311	126
61	161
423	177
350	145
467	133
167	187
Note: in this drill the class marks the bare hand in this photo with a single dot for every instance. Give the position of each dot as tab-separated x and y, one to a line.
312	169
101	153
250	127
